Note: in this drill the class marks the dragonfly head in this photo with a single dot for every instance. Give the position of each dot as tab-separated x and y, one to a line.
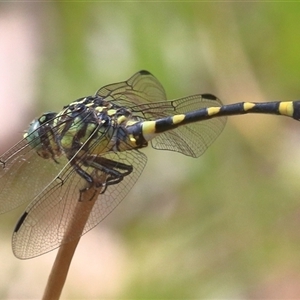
40	136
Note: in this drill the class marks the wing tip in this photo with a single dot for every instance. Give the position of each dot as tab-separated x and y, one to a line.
144	72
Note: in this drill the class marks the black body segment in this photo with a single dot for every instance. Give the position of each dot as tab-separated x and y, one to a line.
150	128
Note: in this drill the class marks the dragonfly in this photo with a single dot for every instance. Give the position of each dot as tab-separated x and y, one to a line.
63	154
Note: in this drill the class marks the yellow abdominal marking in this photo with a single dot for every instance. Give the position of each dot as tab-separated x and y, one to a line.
248	105
178	119
148	127
286	108
213	110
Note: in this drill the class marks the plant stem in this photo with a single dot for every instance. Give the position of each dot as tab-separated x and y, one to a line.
65	253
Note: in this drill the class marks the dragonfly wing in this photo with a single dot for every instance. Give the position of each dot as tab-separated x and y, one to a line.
192	139
146	97
43	226
142	87
115	193
23	174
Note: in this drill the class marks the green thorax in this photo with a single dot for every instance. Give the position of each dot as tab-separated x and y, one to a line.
95	126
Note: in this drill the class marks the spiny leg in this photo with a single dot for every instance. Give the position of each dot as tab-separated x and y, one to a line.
104	166
115	170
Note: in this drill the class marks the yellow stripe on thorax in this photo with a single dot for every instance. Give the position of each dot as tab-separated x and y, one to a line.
286	108
121	119
111	112
99	109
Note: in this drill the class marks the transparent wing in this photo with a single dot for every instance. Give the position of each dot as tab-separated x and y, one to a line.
142	87
192	139
144	94
23	174
43	226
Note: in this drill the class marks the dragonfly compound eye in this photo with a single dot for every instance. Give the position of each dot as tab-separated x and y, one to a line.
37	129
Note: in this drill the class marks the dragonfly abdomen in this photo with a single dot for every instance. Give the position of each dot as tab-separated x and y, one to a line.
275	108
285	108
147	130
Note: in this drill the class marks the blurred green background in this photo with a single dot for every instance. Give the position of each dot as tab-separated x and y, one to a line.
226	225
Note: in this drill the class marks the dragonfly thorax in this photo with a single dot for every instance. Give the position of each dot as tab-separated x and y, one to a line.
90	127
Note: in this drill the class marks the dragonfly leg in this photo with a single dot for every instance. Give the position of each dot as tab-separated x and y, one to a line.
114	170
82	173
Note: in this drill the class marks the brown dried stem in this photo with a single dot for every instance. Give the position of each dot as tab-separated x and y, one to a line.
65	253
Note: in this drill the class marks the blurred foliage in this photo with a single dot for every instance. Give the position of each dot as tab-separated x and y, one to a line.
222	226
